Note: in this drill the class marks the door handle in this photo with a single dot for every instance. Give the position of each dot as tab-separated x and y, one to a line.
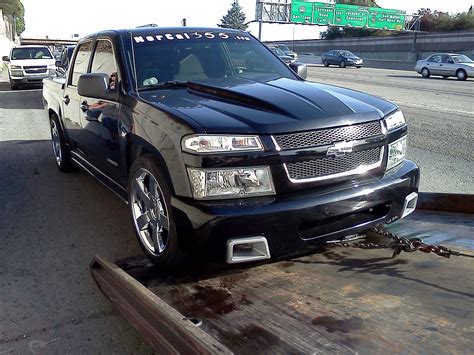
84	106
66	99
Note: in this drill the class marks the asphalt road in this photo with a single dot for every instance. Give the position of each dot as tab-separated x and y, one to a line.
440	115
52	224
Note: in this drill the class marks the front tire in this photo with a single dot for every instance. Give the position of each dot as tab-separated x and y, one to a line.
425	73
60	149
342	64
149	197
461	75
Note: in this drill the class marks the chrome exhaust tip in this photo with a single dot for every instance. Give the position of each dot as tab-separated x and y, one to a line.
410	204
244	250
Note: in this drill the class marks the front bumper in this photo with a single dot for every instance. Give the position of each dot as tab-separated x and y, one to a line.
296	222
29	79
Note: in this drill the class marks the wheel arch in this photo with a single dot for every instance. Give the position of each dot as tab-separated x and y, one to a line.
138	147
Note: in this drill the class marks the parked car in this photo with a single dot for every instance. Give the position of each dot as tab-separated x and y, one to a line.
286	58
220	149
287	50
62	64
446	65
29	65
342	58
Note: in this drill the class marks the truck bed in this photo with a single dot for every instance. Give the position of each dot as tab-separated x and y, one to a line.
338	300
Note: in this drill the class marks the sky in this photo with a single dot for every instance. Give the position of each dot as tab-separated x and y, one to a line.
52	18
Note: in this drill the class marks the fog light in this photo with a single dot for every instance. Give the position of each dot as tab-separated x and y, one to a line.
397	152
231	183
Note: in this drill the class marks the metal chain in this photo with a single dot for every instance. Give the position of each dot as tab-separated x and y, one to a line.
400	244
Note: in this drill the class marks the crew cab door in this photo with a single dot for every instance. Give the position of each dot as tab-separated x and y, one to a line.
100	118
71	99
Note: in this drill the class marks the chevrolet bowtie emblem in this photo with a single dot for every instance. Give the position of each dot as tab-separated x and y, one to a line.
340	149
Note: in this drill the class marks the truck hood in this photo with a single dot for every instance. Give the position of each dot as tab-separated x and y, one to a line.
238	105
32	62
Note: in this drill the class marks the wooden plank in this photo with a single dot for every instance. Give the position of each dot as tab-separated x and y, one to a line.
461	203
160	325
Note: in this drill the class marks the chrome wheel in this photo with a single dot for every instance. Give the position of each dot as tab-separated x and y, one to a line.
150	215
55	139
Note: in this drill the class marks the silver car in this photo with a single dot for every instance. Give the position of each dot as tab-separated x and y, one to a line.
446	65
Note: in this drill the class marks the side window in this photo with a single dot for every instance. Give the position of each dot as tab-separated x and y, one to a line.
104	62
447	59
435	58
81	62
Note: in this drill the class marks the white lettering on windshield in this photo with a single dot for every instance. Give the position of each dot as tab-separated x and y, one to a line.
189	36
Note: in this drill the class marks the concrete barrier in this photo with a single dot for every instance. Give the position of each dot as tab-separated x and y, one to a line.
393	52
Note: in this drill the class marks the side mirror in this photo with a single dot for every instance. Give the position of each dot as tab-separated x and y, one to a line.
300	69
96	85
5	58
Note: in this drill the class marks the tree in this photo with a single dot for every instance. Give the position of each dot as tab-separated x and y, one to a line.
14	11
436	21
235	18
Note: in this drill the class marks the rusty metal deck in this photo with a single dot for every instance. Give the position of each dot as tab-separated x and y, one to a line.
336	300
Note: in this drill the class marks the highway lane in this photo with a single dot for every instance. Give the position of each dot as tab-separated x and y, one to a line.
440	115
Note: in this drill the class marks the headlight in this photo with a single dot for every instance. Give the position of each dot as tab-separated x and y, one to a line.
397	152
15	67
231	183
395	120
17	73
219	144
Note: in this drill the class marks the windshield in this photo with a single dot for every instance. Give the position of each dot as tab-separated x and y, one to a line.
31	53
278	51
284	48
347	54
461	59
181	57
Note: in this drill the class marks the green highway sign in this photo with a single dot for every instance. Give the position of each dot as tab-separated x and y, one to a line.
386	19
321	13
302	12
350	15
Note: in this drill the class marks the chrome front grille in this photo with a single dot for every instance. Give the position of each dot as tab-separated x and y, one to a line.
35	69
328	136
332	167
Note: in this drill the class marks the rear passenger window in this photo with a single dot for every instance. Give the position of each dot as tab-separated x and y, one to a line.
81	62
435	59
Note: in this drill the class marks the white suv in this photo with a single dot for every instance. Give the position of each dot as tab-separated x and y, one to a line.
29	65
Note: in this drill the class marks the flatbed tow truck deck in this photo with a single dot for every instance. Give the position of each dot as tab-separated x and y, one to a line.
337	300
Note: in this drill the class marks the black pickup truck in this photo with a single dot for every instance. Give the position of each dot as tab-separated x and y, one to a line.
220	148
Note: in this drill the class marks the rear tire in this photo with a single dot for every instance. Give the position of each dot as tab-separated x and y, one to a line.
325	63
60	149
14	87
425	72
149	197
461	74
342	64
